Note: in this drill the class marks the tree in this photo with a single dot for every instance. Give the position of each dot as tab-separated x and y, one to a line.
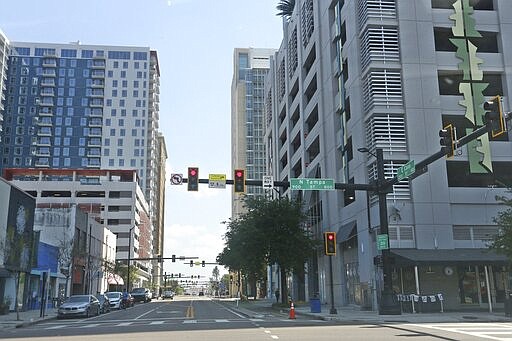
502	241
285	8
270	232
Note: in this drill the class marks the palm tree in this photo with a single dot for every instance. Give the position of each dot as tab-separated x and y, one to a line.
285	8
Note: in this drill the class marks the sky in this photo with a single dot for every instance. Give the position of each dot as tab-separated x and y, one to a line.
195	40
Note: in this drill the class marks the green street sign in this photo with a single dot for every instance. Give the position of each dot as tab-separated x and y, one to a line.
311	184
406	170
382	242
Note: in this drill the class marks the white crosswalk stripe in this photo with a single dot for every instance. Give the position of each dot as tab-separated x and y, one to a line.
157	322
491	331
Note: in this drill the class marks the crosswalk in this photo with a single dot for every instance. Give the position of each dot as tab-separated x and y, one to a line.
491	331
174	321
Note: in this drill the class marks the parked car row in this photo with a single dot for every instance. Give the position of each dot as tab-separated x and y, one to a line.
93	305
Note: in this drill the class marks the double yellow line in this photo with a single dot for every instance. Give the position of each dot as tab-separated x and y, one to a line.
190	311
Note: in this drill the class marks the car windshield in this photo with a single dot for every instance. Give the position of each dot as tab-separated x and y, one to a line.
81	298
138	290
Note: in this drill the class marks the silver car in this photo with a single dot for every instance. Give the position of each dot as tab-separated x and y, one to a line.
115	298
79	305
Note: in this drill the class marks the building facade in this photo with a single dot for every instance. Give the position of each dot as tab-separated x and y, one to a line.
4	55
362	75
113	198
72	106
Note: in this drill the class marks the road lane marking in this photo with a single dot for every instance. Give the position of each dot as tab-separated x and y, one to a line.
157	322
221	321
147	312
190	312
189	321
56	327
124	324
92	325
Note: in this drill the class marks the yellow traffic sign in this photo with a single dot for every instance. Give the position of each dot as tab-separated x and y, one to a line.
216	180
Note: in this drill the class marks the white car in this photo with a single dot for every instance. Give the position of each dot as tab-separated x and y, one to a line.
168	294
115	298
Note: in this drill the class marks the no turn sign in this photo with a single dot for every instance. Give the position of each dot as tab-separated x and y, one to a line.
176	179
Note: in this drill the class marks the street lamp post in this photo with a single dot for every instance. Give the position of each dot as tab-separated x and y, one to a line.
129	259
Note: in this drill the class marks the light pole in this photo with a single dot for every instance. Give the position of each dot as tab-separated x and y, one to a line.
129	259
389	304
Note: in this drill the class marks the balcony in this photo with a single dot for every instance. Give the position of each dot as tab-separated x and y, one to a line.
44	131
49	62
44	121
48	82
95	122
94	152
97	93
93	163
46	102
98	83
95	132
98	64
94	142
97	112
98	74
46	111
49	73
42	162
47	92
96	103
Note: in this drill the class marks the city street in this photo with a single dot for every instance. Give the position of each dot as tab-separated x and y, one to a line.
200	318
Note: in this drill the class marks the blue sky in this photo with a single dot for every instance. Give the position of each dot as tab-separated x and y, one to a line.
195	40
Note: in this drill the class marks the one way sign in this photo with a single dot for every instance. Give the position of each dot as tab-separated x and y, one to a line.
268	181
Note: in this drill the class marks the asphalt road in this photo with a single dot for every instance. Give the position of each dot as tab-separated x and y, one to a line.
200	319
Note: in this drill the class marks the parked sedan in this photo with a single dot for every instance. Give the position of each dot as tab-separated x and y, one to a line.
79	305
115	298
104	303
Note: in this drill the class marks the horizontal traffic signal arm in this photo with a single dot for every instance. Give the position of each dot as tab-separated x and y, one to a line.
285	184
421	167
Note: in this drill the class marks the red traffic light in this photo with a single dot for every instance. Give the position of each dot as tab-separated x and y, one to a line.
239	181
239	173
193	171
193	179
330	243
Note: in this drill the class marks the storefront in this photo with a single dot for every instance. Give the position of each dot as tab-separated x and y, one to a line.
470	279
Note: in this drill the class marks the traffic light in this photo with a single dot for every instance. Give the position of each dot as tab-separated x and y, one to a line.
447	140
191	263
159	258
203	264
330	243
173	258
239	181
172	275
179	275
193	179
494	113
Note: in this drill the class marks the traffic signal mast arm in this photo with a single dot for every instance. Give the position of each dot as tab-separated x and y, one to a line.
386	185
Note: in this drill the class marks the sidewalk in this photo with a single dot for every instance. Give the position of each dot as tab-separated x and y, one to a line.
352	315
26	318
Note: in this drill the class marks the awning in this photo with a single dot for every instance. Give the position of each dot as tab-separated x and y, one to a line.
115	279
447	257
345	231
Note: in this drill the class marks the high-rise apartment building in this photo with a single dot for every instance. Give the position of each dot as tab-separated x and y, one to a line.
4	54
247	116
73	106
355	76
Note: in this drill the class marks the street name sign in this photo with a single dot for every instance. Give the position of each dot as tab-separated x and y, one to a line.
406	170
311	184
216	180
382	242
